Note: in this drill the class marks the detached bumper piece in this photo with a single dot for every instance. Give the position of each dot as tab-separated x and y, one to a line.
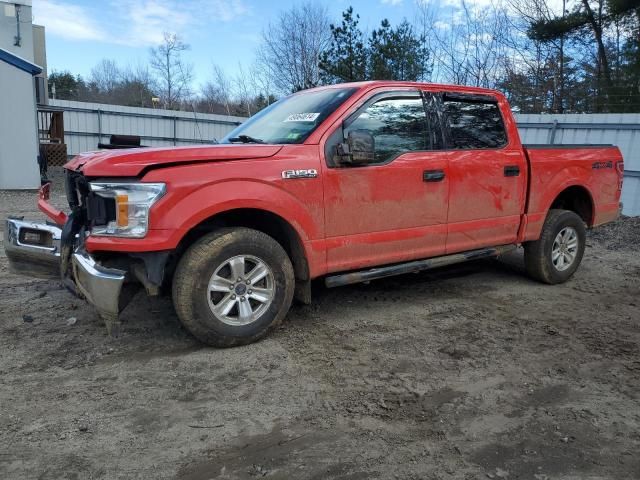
33	249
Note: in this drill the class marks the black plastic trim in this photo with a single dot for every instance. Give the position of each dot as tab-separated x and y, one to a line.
469	97
433	175
543	146
511	171
414	266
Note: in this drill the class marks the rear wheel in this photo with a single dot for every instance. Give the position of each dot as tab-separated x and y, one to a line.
556	255
233	286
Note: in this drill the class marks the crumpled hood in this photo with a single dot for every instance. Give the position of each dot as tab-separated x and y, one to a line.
132	161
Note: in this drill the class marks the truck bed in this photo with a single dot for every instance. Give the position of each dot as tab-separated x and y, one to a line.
594	169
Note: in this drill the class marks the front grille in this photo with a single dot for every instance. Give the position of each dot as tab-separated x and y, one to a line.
77	189
92	209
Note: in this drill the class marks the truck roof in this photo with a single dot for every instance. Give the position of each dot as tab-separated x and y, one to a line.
371	84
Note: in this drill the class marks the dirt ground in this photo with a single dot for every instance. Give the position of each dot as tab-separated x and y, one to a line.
473	372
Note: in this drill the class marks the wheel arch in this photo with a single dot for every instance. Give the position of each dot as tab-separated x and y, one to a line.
564	190
264	221
578	199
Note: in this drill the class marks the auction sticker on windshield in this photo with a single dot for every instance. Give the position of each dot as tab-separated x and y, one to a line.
302	117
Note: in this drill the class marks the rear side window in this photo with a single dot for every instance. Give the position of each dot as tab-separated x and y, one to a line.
473	124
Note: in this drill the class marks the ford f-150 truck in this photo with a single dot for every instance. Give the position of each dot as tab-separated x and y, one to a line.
348	182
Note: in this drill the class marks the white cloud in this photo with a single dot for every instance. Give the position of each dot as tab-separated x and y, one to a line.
472	4
143	22
554	5
133	22
392	2
225	10
146	20
66	20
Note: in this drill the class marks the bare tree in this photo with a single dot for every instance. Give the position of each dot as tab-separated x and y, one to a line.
106	75
533	57
174	75
210	98
470	47
244	92
138	85
262	82
221	85
426	20
113	84
291	47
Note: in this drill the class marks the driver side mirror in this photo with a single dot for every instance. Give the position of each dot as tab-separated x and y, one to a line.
359	149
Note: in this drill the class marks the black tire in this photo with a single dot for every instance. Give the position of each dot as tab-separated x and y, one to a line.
538	254
192	297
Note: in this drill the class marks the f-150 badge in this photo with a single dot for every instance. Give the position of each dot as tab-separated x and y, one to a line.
289	174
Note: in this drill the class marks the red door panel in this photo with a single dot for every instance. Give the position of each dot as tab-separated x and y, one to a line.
385	213
485	205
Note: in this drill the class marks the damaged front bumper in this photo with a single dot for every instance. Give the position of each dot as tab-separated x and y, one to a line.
101	286
33	249
39	250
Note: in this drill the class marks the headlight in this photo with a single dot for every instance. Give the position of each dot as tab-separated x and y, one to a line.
132	204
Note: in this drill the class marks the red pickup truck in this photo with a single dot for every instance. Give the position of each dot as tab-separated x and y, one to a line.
348	182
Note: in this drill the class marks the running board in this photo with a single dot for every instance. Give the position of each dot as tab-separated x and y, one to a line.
415	266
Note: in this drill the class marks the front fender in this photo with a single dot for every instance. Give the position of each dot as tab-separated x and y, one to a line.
223	196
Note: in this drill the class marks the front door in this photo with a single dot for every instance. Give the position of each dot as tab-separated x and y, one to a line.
393	208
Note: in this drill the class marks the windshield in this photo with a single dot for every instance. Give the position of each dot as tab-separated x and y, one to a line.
290	120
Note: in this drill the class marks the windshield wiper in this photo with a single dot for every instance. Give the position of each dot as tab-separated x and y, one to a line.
245	139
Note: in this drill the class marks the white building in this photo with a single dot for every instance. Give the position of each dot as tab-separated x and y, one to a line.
22	58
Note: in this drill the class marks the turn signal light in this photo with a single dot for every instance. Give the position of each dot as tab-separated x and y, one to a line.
122	208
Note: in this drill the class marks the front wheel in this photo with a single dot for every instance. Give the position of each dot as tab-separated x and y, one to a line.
232	286
556	255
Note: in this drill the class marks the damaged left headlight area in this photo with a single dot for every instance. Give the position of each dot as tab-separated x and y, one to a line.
121	209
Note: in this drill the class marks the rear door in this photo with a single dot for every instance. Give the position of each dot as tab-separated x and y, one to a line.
395	207
487	173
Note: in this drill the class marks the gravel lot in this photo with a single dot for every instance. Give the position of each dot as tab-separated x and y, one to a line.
473	372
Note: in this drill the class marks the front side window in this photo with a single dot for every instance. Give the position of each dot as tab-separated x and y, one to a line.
397	124
292	119
472	124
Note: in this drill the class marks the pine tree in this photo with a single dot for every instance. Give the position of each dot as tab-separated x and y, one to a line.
389	53
397	53
346	59
612	64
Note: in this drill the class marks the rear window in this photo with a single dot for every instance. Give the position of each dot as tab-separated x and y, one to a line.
474	124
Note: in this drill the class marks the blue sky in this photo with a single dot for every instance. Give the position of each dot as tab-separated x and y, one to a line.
79	33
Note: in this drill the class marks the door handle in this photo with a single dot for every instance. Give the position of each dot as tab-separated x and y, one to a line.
511	171
433	175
